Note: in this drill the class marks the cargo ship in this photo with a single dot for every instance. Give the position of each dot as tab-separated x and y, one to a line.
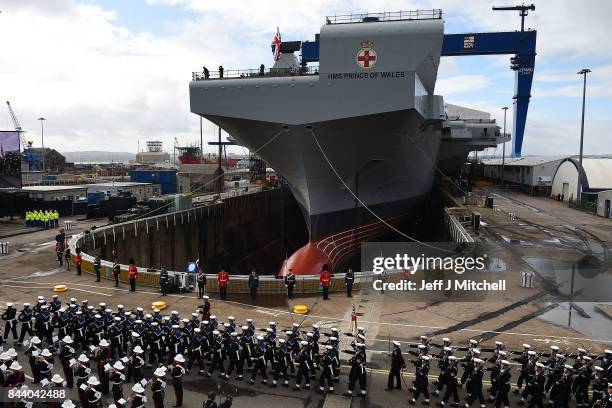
357	138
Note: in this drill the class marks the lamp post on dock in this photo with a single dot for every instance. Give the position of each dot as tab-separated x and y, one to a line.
42	141
505	109
584	73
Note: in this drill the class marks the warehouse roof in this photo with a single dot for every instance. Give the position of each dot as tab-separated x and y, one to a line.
528	161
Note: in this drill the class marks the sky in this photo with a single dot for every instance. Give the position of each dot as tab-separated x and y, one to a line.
112	74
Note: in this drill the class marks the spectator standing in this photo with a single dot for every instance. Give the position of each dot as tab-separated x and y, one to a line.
223	280
253	285
201	281
67	258
290	283
221	71
325	280
349	280
132	275
164	279
78	261
97	264
116	272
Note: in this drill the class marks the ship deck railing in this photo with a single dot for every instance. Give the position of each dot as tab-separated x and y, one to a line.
471	120
429	14
255	73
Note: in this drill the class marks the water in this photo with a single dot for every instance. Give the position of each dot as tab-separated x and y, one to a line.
593	325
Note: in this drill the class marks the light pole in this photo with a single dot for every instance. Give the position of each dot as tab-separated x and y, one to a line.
584	73
42	141
505	109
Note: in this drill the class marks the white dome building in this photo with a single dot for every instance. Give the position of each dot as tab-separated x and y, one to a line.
596	176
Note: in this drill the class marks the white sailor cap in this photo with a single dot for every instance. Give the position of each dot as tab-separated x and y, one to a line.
607	351
581	350
270	323
118	365
478	361
332	338
174	312
452	358
448	349
309	334
244	327
260	338
45	353
57	379
41	298
179	358
206	297
119	306
422	347
425	358
568	367
587	358
154	324
62	310
194	314
540	365
102	304
117	319
205	322
476	351
138	388
295	325
234	334
609	385
213	317
598	368
334	329
360	329
139	309
473	341
305	343
328	347
175	326
148	315
83	358
90	307
554	348
560	356
446	339
197	330
93	381
216	332
26	305
423	337
531	353
249	320
138	321
396	343
505	362
281	341
503	353
315	326
138	350
185	320
135	334
527	346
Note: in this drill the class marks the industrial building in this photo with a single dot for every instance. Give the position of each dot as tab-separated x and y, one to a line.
56	193
595	176
153	155
166	178
199	177
141	191
532	174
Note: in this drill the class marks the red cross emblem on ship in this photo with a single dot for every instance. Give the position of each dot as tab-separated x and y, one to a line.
366	56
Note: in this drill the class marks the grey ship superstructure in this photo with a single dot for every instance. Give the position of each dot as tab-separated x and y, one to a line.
365	123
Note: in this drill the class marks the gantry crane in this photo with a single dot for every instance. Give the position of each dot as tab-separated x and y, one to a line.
17	125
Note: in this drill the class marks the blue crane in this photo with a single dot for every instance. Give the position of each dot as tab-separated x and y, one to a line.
522	44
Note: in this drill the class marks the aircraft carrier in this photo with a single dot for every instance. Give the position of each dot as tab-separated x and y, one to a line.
360	138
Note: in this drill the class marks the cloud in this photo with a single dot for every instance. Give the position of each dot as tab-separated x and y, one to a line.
104	86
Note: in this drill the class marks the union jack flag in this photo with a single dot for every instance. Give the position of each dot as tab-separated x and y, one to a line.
276	42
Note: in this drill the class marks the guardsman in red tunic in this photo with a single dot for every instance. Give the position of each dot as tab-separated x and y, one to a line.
325	281
223	279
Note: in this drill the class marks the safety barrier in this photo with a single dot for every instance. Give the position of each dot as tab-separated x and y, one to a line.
4	248
150	277
455	229
527	279
68	225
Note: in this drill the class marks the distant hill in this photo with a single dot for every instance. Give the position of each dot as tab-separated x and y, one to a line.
98	157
